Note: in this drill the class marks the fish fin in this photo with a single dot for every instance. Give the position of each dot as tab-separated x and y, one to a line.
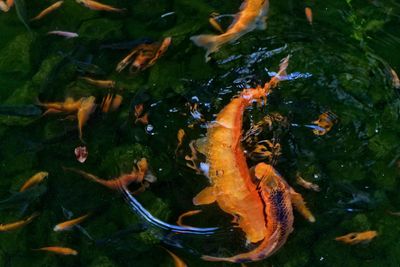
208	41
300	205
206	196
201	145
262	23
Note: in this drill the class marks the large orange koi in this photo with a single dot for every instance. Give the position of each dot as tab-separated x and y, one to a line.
252	15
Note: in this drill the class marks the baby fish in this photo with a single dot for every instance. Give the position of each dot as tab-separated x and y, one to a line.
99	83
144	119
325	123
307	184
178	262
67	35
59	250
48	10
180	135
358	237
137	175
395	79
34	180
18	224
93	5
309	15
68	225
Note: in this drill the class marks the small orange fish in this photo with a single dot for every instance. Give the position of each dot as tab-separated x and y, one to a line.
307	184
325	123
68	225
180	135
144	56
309	15
178	262
58	250
144	119
93	5
137	175
18	224
34	180
48	10
117	100
358	237
395	79
106	103
83	108
99	83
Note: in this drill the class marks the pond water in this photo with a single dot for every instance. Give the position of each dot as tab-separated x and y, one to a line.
342	63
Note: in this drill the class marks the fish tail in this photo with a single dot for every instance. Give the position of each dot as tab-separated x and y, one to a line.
210	42
266	248
87	175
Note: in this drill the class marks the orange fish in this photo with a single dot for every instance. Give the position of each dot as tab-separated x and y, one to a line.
99	83
309	15
58	250
144	119
144	56
68	225
93	5
356	238
137	175
48	10
34	180
307	184
252	16
83	108
325	123
18	224
180	136
178	262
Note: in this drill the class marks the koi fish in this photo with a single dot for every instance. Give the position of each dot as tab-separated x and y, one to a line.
144	56
178	262
325	123
16	225
358	237
83	108
395	79
65	34
111	103
309	15
99	83
306	184
252	15
265	217
58	250
68	225
124	180
93	5
34	180
180	135
144	119
48	10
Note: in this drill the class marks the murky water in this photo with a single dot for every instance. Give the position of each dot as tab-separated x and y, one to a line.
342	63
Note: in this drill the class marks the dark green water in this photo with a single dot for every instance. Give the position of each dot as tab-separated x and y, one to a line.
345	59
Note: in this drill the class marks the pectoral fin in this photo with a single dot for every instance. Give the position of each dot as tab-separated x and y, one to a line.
300	205
206	196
